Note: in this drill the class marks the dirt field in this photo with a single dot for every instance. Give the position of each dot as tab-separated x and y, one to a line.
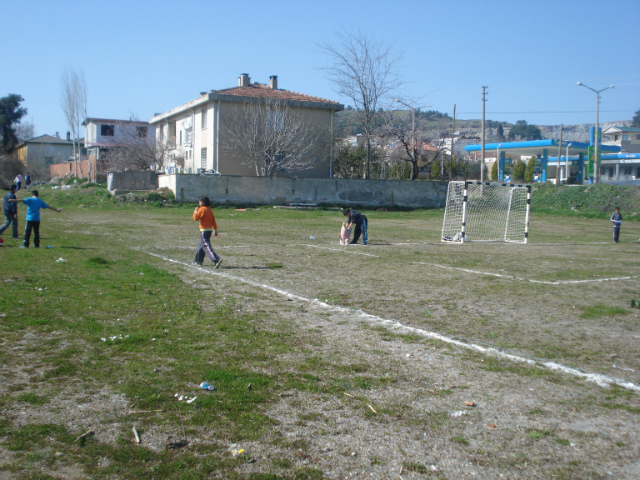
407	321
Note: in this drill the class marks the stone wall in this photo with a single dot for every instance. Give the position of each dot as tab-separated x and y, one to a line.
244	190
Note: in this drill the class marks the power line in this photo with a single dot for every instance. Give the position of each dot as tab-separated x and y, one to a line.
576	111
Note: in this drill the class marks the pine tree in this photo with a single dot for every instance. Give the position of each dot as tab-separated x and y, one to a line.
530	170
10	115
518	170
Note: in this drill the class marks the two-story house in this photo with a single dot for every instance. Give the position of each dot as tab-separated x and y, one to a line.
193	131
102	134
627	138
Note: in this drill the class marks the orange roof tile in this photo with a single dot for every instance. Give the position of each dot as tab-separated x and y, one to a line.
264	91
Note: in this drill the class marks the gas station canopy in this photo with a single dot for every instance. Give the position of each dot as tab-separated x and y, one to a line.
538	147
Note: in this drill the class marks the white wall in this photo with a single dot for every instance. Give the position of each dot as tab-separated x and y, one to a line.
93	131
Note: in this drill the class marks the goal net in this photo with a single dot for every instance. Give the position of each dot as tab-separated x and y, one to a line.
486	212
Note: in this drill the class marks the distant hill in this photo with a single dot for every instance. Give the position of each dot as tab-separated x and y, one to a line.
347	124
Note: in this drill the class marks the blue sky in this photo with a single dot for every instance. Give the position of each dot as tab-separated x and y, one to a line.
141	57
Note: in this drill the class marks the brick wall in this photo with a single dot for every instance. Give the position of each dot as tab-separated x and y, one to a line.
69	168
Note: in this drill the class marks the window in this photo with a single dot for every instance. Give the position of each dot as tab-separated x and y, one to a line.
106	130
625	137
203	158
141	132
180	138
615	137
204	119
637	136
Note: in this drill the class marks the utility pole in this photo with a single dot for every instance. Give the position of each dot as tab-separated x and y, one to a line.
453	131
559	155
483	136
596	173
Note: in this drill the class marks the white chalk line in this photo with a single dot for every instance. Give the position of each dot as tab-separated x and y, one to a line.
511	277
343	249
599	379
478	272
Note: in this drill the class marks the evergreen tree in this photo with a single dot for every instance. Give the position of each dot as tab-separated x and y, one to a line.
500	132
435	171
636	119
518	170
10	115
530	170
494	170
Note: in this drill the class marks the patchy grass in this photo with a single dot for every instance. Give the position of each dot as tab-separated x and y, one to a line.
112	321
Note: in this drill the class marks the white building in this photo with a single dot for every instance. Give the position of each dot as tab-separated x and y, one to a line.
192	131
101	134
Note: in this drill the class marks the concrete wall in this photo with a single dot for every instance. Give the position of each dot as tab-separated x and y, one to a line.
131	181
244	190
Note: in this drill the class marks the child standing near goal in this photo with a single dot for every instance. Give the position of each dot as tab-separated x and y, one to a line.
207	226
616	218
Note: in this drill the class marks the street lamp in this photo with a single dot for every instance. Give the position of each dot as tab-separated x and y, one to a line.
598	92
498	160
566	165
413	126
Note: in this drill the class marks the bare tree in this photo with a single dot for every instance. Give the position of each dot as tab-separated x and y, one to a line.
270	136
413	140
73	100
25	131
134	149
364	70
410	136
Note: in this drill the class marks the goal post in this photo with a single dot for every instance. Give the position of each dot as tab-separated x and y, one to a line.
486	212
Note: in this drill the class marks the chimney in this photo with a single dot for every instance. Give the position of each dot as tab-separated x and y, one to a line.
273	82
244	80
68	136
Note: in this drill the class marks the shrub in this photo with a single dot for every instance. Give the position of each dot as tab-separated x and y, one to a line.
530	170
518	170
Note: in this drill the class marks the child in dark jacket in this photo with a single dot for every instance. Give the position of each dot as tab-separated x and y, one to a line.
208	226
616	219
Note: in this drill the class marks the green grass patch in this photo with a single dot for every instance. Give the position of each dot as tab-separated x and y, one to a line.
598	311
33	399
460	440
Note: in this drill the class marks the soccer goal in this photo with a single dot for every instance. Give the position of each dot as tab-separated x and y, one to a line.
486	212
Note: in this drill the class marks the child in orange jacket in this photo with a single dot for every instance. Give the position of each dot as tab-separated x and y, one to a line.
208	226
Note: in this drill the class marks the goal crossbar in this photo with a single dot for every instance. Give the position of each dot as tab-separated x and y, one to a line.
486	212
